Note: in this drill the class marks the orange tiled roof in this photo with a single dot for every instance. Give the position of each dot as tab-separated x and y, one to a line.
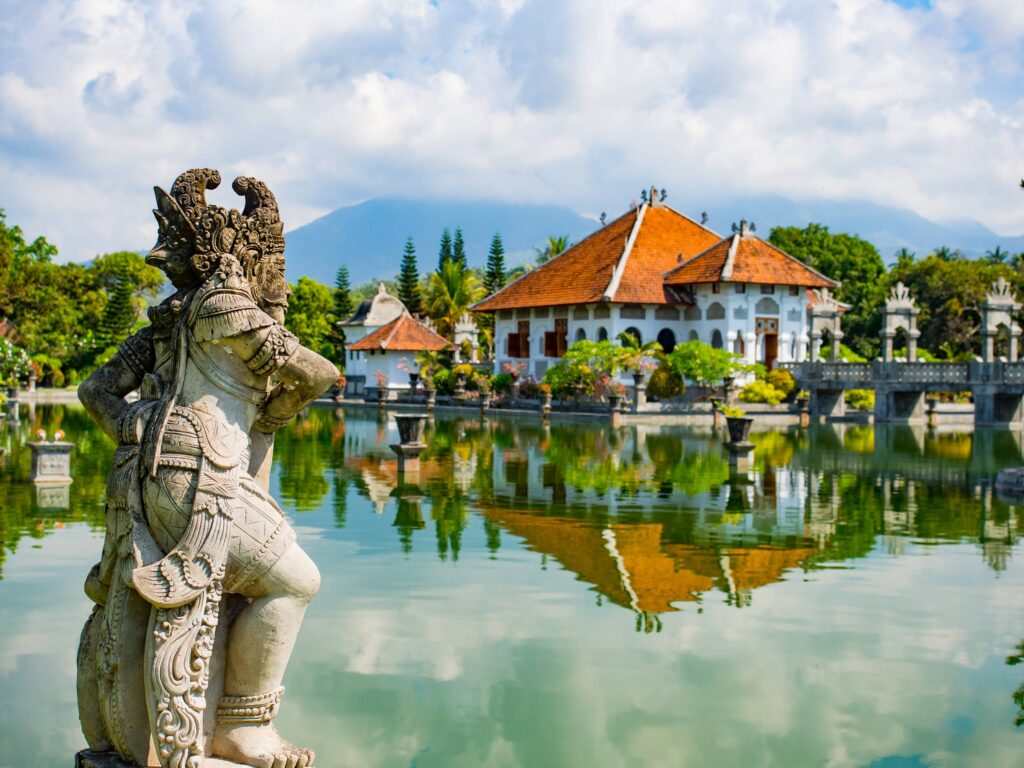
403	334
605	267
745	258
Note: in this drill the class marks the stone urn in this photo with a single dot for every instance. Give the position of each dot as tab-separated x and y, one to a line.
614	403
638	379
413	380
410	428
515	389
382	396
460	387
431	399
739	428
485	403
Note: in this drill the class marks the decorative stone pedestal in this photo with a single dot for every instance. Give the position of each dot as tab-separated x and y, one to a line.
740	454
410	445
89	759
51	463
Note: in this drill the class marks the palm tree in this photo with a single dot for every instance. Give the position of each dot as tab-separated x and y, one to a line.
633	353
554	246
451	291
996	256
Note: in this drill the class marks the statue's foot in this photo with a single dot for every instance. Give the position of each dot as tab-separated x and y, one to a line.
258	745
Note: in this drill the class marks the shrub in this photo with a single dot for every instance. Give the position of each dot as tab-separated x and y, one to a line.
443	382
703	364
463	369
665	383
502	383
782	380
761	392
862	399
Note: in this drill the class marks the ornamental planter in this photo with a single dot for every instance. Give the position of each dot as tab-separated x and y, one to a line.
614	403
485	404
413	380
410	428
739	428
460	387
382	397
545	403
431	399
515	389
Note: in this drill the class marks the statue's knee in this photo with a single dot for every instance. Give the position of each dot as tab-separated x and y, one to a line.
305	579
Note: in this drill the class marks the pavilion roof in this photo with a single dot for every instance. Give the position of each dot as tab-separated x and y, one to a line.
623	262
745	258
403	334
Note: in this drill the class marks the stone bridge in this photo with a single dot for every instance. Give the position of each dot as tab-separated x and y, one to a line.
996	387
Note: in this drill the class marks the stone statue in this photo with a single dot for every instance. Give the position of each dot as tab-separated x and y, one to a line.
201	588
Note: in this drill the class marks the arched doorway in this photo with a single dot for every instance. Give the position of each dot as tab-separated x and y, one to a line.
667	339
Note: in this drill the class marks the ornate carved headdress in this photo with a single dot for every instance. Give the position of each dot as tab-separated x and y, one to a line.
191	228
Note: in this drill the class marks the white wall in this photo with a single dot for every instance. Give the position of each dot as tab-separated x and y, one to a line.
367	364
740	321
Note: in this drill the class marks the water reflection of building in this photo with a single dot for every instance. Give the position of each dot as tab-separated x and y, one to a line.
636	566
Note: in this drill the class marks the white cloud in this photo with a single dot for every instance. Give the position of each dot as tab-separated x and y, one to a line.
575	102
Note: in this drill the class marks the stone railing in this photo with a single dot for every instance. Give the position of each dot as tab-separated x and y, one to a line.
925	373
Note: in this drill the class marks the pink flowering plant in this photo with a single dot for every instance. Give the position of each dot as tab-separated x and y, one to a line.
515	370
382	380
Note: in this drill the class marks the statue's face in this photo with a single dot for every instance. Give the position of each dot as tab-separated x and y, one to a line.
174	261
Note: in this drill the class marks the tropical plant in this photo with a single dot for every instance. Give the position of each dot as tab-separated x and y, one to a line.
309	313
862	399
555	246
759	391
703	364
430	362
14	363
451	291
636	356
665	383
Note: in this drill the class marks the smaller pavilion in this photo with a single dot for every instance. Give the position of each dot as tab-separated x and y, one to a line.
383	340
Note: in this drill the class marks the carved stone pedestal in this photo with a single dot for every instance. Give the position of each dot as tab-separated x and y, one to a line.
89	759
51	462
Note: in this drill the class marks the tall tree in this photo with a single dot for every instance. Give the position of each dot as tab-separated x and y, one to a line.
342	296
459	248
997	255
852	261
119	315
445	252
494	277
450	292
409	280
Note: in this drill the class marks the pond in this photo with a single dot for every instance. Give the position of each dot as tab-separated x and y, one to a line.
577	595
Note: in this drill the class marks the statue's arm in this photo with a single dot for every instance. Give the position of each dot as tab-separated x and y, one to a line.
103	393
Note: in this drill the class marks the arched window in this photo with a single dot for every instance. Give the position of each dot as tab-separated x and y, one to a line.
716	312
767	306
635	333
738	346
581	334
716	339
694	336
667	339
602	334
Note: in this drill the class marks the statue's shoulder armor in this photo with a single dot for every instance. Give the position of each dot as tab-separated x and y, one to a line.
225	307
139	352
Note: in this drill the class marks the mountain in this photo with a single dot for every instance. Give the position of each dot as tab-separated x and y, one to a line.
369	237
889	229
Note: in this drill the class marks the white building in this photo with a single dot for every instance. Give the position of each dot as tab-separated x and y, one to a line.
383	339
657	274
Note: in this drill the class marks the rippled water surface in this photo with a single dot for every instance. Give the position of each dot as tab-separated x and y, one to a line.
575	595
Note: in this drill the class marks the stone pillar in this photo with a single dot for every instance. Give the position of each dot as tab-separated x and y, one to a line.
815	344
887	337
901	406
988	346
836	339
827	403
912	345
1014	352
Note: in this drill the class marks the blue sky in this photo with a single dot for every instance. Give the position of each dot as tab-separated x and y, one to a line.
580	102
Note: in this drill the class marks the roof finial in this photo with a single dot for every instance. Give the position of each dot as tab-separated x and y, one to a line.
704	218
604	217
745	228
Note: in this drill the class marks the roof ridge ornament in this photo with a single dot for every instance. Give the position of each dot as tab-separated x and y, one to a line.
653	196
744	228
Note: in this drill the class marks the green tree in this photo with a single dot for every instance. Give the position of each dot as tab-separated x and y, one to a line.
852	261
450	292
494	278
119	315
309	313
459	248
703	364
409	280
445	251
997	255
146	281
555	245
342	295
949	293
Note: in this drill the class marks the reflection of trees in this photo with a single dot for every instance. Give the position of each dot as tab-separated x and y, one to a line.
302	450
90	461
1018	695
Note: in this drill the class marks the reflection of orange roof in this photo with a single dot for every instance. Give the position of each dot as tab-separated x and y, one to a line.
385	470
403	334
633	567
752	568
624	261
745	258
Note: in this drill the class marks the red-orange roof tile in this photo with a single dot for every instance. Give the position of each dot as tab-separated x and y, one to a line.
403	334
754	261
594	270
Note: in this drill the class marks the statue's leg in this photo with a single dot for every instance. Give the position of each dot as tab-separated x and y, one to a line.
259	647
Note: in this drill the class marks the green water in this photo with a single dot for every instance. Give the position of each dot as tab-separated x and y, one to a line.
582	596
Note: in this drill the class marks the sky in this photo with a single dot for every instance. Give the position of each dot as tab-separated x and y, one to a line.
914	104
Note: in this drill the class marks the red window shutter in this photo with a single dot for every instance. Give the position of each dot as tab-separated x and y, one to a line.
550	344
513	345
561	336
